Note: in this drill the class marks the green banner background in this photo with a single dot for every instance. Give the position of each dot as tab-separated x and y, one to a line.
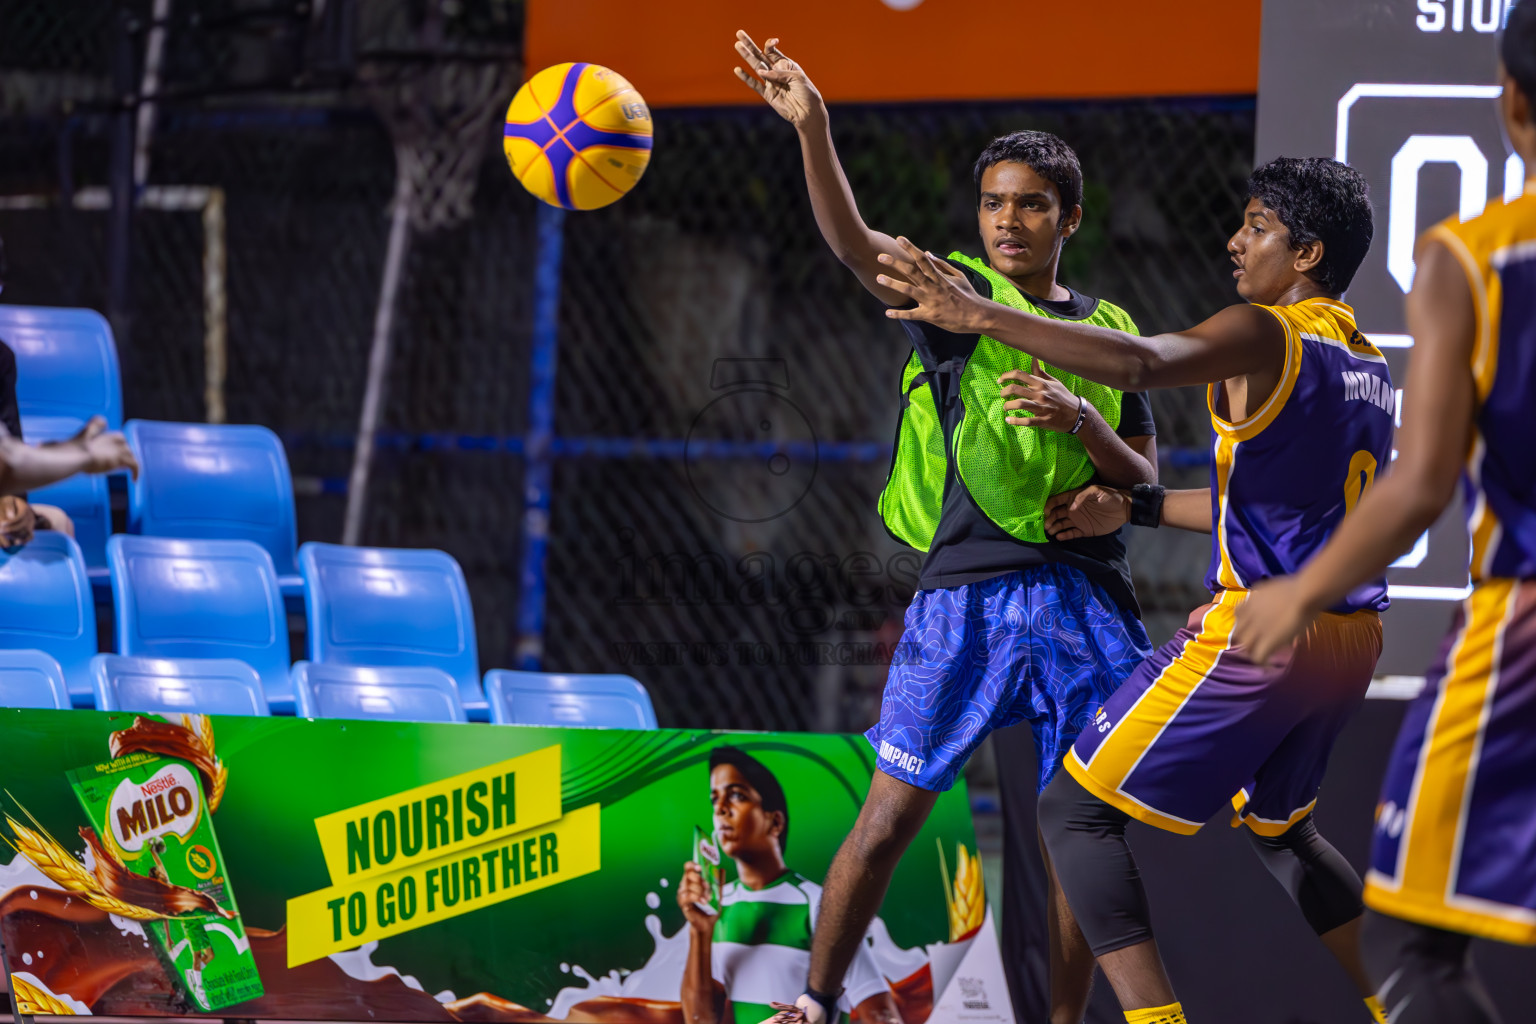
653	787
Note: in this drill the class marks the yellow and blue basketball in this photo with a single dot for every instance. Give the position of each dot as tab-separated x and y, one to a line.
578	136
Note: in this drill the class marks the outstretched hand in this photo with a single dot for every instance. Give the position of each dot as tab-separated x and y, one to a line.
779	80
943	295
1091	511
1270	619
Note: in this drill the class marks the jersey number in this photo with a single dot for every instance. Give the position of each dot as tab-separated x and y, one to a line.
1362	470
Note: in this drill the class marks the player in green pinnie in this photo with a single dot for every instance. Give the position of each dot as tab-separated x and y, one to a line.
1007	625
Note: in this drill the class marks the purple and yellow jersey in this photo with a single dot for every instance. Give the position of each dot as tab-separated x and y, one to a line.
1283	479
1498	252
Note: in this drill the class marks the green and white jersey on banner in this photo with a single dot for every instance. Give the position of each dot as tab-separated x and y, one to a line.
762	948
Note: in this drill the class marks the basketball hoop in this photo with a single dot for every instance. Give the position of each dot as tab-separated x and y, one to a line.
439	109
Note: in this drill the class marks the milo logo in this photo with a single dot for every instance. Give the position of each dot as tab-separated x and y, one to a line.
168	801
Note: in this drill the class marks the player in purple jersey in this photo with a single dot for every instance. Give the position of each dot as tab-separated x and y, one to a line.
1301	411
1451	857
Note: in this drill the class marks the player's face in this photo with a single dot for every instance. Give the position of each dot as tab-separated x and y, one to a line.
1020	218
742	824
1265	263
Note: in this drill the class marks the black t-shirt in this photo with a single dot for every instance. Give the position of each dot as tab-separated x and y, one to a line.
8	412
967	546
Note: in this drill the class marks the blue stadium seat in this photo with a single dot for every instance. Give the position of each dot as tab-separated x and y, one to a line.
390	606
83	497
202	599
595	701
200	480
46	605
66	363
177	686
399	693
31	679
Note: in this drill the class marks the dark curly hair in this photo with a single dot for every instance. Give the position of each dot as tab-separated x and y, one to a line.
1517	47
1050	158
1319	199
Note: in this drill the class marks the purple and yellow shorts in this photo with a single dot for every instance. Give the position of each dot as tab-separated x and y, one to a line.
1456	824
1197	723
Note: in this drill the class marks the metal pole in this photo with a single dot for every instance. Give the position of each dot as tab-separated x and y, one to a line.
119	231
215	307
379	353
538	449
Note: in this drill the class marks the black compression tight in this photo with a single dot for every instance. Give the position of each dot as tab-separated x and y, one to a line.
1086	837
1313	873
1424	975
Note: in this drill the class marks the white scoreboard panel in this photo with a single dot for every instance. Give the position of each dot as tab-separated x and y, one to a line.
1405	91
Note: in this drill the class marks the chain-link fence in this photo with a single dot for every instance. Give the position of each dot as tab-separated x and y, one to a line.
745	592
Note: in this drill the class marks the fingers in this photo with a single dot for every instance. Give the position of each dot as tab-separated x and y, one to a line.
749	49
923	261
905	267
93	426
777	77
751	81
1040	370
1018	375
902	287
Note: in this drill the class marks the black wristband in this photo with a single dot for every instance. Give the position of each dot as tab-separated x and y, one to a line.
1147	504
828	1003
1082	414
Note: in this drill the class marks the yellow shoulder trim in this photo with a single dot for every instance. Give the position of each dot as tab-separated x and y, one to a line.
1253	425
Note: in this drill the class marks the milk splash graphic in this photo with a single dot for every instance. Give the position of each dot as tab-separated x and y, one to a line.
662	976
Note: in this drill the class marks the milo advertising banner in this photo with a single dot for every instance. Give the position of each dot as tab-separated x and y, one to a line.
275	868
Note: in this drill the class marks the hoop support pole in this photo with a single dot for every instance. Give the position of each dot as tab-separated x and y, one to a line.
379	354
538	448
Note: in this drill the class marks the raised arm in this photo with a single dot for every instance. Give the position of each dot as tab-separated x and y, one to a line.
1408	498
24	467
1238	341
789	91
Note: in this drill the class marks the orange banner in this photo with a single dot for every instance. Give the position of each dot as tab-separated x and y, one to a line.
678	52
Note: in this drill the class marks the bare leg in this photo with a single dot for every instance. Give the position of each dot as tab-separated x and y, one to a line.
57	519
1136	973
892	815
1344	943
1071	959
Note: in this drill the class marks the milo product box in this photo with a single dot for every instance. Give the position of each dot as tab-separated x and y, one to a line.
706	854
151	816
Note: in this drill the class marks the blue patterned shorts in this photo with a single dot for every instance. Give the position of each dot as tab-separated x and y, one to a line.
1044	645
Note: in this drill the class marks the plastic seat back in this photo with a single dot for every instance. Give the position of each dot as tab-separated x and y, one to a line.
84	497
594	701
223	481
177	686
32	679
399	693
201	599
66	362
46	605
390	606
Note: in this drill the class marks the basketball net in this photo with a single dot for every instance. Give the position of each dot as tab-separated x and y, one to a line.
439	112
